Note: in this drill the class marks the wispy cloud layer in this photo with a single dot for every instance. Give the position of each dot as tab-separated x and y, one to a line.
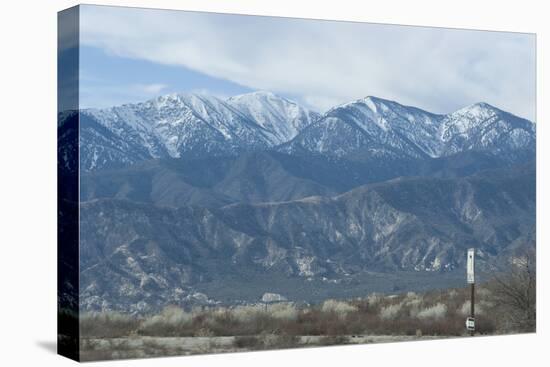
324	63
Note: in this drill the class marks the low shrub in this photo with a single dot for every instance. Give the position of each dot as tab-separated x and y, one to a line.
281	324
390	312
283	311
340	308
107	325
172	321
437	311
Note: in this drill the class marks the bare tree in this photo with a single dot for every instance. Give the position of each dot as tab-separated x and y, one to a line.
514	293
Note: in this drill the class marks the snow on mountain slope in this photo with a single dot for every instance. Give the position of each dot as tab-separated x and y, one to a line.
185	124
484	127
190	125
281	118
375	127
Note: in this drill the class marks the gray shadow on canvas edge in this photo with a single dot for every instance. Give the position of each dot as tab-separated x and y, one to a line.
47	345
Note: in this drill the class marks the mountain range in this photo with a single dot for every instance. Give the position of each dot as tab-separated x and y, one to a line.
373	127
199	126
189	125
133	252
192	199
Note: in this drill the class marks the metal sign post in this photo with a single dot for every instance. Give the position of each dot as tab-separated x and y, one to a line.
470	277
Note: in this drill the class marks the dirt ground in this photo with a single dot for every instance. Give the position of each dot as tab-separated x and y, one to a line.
144	346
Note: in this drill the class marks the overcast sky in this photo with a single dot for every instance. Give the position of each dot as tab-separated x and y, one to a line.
131	54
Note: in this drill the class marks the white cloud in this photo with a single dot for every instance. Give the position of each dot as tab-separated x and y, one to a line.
107	95
326	63
154	88
209	92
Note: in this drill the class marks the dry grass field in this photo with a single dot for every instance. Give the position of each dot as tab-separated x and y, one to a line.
372	319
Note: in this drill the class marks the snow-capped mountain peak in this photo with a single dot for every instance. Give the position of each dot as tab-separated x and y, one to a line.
188	124
387	124
377	127
197	125
280	117
481	126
